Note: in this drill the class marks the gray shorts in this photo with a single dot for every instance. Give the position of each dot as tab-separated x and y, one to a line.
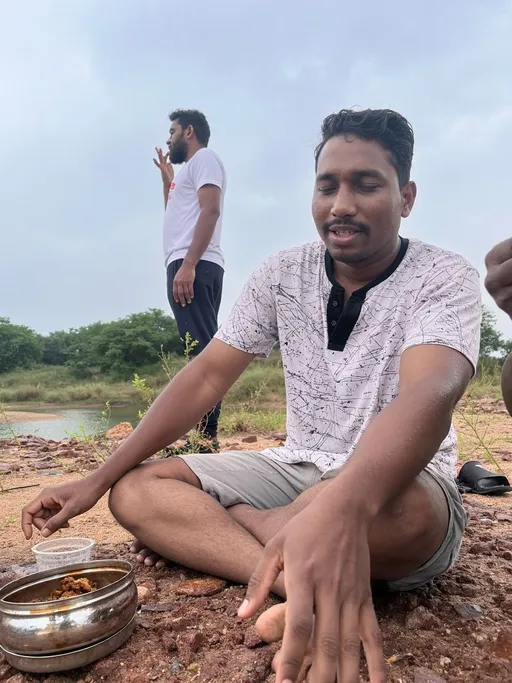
249	477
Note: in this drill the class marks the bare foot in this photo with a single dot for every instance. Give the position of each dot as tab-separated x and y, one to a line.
147	556
270	626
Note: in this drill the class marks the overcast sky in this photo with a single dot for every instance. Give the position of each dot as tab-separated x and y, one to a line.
86	86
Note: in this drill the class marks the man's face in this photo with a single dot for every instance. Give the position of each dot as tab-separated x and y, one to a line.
177	144
357	202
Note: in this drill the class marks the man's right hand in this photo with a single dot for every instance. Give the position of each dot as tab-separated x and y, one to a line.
52	509
499	275
166	169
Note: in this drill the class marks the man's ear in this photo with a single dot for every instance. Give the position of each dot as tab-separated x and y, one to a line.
408	198
189	132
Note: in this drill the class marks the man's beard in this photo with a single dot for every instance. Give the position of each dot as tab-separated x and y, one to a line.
178	152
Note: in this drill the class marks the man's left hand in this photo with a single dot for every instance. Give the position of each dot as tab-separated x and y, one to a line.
326	564
183	284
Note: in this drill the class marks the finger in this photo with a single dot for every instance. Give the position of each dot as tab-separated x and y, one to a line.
175	291
500	253
27	516
260	584
499	275
189	293
298	629
371	635
326	637
156	163
58	521
181	294
350	643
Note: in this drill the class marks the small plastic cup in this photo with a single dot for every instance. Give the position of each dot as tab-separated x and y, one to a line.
59	552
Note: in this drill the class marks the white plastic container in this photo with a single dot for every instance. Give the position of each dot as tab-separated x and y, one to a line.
59	552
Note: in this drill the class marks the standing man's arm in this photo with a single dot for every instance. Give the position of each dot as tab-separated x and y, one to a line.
208	177
499	285
166	171
183	284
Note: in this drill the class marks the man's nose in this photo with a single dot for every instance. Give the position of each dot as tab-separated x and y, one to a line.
344	203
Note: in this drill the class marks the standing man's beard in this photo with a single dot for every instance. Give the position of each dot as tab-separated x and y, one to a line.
178	152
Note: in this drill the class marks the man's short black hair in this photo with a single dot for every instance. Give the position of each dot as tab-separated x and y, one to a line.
194	118
387	127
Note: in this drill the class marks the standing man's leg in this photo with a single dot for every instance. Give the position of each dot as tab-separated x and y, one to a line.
199	320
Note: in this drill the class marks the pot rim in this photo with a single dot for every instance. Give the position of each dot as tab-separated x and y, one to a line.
49	606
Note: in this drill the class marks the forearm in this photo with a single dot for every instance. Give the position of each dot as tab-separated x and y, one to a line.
396	447
166	188
189	396
203	233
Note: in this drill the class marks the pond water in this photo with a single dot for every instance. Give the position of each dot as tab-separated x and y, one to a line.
71	421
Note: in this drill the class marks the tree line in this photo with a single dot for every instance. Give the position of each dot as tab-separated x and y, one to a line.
117	348
121	347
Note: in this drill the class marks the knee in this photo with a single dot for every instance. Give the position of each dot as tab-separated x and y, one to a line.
127	494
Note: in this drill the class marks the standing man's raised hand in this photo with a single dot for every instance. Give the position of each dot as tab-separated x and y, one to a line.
166	169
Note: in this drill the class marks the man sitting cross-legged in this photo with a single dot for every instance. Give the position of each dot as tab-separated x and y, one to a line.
379	337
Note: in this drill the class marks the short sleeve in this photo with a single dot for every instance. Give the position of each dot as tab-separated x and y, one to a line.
206	169
449	310
252	324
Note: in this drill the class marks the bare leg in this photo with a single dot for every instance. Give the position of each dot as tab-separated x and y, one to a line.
163	506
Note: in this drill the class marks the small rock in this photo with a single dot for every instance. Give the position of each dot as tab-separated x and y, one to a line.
503	647
18	678
445	661
421	618
252	638
507	555
5	469
480	548
468	611
503	518
142	594
176	667
201	587
470	591
486	521
422	675
120	431
193	667
250	439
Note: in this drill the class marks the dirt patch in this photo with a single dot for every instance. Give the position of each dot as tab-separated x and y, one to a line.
7	416
458	629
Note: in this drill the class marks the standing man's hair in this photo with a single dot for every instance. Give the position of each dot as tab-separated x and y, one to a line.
194	118
390	129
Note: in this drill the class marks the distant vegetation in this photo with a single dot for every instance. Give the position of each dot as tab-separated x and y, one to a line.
97	363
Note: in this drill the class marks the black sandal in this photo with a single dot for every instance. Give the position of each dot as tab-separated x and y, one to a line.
474	478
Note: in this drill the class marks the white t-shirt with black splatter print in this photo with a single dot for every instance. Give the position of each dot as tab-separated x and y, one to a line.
340	374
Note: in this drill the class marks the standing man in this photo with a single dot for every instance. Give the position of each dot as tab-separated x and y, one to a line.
192	230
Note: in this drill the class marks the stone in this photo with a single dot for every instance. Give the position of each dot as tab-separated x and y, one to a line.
422	675
250	439
421	618
201	587
468	611
507	555
503	647
142	594
503	518
5	469
120	431
480	548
